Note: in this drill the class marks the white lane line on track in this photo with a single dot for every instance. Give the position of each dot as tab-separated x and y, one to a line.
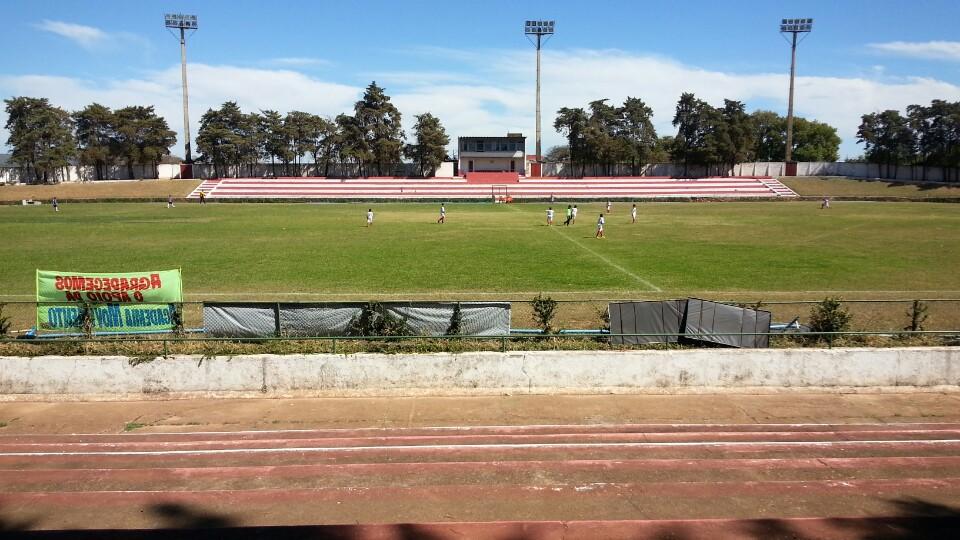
610	263
498	426
442	447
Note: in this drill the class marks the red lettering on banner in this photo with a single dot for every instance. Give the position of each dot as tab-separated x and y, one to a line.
114	284
73	297
88	284
59	284
92	296
76	283
155	281
138	296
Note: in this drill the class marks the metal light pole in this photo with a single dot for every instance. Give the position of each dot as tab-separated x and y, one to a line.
183	23
538	29
793	27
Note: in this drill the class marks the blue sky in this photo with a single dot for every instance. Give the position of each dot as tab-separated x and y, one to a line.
469	63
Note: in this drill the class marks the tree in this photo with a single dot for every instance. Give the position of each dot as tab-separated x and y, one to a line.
937	128
220	139
430	148
378	121
324	145
815	141
734	136
96	128
888	139
636	131
275	138
352	146
143	137
41	136
769	136
303	129
690	119
572	123
558	154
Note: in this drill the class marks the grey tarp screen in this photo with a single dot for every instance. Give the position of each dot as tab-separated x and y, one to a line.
332	319
707	321
646	318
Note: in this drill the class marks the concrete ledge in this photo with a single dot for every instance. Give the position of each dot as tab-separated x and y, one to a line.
534	372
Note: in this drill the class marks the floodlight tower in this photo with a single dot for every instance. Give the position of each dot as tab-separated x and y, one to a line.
540	29
793	27
183	23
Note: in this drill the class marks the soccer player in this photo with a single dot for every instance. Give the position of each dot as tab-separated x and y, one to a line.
170	201
550	216
203	198
609	207
633	214
56	205
825	203
369	217
573	219
569	215
600	223
443	214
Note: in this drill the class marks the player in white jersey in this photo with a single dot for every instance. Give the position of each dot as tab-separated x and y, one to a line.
550	216
443	214
633	214
369	217
600	224
573	220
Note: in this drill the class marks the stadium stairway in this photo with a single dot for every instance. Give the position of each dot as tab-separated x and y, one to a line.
523	188
536	481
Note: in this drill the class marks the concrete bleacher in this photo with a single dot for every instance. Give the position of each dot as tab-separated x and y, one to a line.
465	188
485	177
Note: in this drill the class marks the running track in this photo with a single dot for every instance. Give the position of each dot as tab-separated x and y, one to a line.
503	482
459	188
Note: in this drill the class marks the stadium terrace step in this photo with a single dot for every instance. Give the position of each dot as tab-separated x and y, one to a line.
492	177
516	188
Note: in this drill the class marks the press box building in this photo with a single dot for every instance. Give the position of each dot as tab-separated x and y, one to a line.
493	154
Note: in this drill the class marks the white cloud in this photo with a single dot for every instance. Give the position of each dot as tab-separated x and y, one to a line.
934	50
85	36
299	61
493	93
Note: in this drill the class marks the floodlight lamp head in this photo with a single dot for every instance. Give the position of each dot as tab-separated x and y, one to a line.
539	28
179	20
796	25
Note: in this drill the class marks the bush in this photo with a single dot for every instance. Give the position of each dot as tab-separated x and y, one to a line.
375	320
4	322
456	321
918	316
829	316
544	309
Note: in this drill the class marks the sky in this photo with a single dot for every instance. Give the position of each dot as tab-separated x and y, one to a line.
469	64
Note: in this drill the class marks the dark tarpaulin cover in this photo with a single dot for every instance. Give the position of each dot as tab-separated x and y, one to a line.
707	321
662	317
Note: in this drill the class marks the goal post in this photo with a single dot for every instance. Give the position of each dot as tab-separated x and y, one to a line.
500	193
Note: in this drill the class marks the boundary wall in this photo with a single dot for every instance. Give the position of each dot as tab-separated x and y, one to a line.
479	373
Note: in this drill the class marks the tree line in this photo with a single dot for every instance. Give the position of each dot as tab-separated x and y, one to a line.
369	142
46	138
607	137
928	136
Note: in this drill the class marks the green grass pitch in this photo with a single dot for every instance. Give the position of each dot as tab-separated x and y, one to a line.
506	251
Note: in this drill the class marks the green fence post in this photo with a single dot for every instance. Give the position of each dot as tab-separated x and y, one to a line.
165	351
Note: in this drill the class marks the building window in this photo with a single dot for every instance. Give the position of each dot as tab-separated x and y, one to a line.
513	165
470	166
479	146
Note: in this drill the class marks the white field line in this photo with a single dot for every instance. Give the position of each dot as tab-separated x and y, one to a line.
610	263
495	446
507	426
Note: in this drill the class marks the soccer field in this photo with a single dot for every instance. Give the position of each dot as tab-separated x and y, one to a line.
774	249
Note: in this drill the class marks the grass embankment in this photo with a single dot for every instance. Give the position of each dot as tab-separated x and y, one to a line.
831	186
126	189
299	252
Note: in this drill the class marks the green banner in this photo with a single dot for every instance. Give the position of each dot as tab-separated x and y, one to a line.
115	302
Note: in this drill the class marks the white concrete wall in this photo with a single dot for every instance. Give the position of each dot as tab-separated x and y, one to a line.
579	372
486	162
